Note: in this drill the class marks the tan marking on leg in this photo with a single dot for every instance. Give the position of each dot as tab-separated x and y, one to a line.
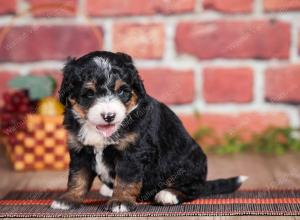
127	192
79	184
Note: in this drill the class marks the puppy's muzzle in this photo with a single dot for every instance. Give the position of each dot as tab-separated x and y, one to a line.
108	117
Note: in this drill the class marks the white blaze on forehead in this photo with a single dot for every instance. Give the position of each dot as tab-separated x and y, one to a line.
103	63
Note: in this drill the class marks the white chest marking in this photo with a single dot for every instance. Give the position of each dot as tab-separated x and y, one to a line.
100	167
88	135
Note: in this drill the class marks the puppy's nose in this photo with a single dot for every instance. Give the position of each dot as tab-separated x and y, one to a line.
108	117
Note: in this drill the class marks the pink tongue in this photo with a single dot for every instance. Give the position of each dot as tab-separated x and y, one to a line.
106	130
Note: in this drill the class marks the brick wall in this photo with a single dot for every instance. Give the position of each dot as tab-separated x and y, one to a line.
237	62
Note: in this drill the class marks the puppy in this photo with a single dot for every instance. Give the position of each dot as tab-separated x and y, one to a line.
136	145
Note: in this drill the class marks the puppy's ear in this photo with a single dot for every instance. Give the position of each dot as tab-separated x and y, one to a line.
67	82
125	57
137	83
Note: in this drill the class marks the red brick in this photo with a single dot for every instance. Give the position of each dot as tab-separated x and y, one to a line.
281	5
169	86
229	6
138	7
243	123
144	41
8	6
228	85
31	43
299	42
53	8
175	6
283	84
5	77
234	39
55	74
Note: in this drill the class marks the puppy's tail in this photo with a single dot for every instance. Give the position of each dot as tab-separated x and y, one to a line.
221	186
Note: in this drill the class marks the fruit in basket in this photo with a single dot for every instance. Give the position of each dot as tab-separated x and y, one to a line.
16	106
33	95
16	102
40	88
50	106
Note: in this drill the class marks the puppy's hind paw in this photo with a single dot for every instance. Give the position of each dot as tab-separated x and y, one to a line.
166	197
242	179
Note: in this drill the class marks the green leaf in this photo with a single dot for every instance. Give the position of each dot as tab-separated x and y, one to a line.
202	132
38	86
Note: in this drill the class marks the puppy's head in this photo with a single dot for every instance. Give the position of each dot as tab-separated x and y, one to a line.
101	89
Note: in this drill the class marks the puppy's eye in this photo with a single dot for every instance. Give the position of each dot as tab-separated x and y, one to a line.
121	92
89	94
124	93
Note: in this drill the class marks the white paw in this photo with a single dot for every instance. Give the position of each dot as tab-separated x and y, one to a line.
59	205
119	208
242	179
165	197
105	191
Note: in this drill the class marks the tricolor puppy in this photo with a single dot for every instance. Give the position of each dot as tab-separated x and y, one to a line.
136	145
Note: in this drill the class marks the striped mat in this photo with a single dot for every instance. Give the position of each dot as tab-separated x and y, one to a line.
32	204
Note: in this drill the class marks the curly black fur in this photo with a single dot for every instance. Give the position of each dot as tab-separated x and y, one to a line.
163	156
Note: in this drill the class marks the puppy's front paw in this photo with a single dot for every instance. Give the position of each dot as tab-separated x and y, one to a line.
64	205
120	206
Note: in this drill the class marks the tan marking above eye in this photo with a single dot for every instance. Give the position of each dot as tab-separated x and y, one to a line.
91	85
118	84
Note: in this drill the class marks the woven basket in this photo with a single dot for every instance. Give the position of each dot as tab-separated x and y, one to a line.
41	145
